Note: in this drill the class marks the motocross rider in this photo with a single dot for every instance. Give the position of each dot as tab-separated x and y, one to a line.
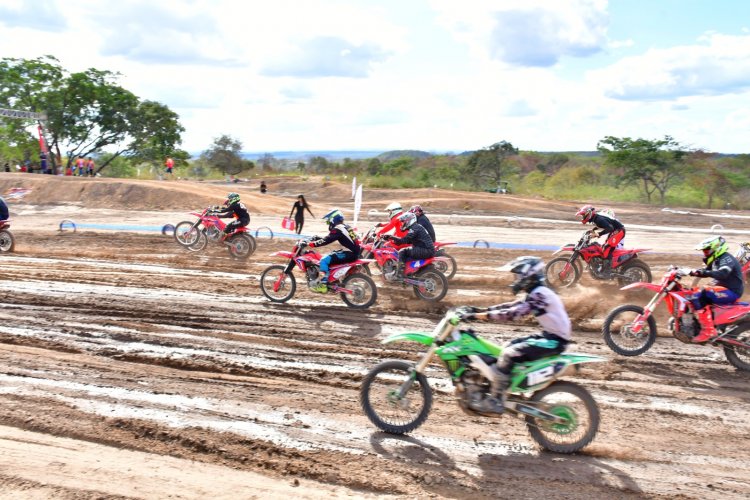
726	288
234	208
346	236
423	221
422	246
608	226
4	214
549	311
394	211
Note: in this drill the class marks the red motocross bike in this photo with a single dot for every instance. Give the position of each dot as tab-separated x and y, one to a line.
630	330
443	262
7	242
209	227
355	288
743	257
565	271
427	281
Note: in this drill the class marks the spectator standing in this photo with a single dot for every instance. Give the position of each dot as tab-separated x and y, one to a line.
79	166
7	166
169	164
90	167
263	187
43	162
299	218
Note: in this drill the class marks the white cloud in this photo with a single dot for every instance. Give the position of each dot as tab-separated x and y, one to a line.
718	64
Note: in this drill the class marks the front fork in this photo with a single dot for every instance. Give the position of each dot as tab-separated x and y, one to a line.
648	310
568	266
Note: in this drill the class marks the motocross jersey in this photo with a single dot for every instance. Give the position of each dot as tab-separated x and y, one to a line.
417	237
423	221
544	304
727	272
237	210
394	224
345	235
606	224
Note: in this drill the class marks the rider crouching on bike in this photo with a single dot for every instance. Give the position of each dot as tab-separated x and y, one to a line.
346	236
423	221
234	208
422	246
611	227
727	287
549	311
394	212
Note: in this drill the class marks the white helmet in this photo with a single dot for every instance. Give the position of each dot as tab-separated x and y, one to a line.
394	209
528	271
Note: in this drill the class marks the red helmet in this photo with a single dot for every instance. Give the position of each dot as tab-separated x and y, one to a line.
416	210
586	213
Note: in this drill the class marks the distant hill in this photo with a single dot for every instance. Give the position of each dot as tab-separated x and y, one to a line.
403	153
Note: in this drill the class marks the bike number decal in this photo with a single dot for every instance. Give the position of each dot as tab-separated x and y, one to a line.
340	273
539	376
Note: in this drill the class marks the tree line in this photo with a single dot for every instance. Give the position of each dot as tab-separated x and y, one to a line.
89	114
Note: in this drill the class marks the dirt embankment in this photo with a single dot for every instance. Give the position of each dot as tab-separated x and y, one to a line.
132	368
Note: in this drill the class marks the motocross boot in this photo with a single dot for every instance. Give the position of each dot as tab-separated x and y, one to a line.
495	402
708	330
399	274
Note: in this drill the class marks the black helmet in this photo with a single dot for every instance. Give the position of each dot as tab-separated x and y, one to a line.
529	273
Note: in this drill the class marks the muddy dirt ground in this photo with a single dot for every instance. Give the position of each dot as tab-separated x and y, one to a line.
131	368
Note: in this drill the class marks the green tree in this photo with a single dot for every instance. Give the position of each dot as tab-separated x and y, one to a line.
224	156
492	165
655	165
88	111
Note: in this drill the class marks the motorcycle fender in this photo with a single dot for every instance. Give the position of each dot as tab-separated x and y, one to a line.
286	255
339	273
654	287
568	248
422	338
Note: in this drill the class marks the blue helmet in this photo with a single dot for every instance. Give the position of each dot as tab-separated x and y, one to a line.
333	217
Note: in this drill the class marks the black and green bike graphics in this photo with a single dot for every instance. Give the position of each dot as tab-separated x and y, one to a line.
561	416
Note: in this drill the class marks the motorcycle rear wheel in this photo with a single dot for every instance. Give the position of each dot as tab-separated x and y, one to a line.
364	292
435	285
552	273
573	403
287	284
617	331
737	356
448	267
633	272
7	242
380	400
241	246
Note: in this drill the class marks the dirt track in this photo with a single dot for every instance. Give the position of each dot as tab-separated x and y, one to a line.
130	368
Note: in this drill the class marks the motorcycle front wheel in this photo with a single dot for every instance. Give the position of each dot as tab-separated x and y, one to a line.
364	292
200	243
7	242
617	331
575	406
434	285
186	233
277	285
559	273
380	396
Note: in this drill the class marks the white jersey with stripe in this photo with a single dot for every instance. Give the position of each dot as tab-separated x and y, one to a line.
544	304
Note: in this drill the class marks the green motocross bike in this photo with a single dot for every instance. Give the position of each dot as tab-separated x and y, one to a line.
560	415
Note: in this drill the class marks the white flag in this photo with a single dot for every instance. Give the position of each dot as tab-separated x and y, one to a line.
357	204
354	187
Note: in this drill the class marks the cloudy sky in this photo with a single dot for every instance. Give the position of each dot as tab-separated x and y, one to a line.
435	75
